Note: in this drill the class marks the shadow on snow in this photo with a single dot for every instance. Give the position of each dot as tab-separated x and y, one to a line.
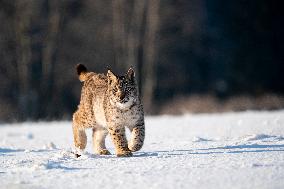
251	148
8	150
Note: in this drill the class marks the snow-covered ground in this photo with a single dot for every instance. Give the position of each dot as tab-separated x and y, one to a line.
232	150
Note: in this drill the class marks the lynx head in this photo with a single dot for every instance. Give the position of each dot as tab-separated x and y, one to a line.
122	90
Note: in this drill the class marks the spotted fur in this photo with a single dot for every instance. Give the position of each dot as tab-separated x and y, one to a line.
108	104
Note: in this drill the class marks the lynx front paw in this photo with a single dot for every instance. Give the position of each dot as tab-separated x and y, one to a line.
104	152
124	154
133	147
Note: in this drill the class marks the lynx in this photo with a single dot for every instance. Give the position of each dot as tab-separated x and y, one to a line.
108	104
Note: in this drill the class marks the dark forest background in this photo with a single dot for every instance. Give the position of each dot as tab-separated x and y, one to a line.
195	55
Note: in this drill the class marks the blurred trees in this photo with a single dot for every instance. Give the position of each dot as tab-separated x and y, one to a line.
182	47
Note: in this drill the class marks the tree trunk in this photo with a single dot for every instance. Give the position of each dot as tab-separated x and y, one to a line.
119	33
22	22
49	54
149	54
134	34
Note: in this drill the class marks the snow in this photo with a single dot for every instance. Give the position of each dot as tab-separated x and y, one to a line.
230	150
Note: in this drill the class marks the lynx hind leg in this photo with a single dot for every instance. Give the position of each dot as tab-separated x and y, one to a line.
120	142
137	137
99	136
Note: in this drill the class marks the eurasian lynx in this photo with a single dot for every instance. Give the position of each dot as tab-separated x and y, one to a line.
108	104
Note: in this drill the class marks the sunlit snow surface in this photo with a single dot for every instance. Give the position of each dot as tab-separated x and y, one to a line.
232	150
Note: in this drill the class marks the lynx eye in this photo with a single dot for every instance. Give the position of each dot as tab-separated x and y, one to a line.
121	84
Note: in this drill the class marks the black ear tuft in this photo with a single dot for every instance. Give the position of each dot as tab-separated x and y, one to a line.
130	74
81	69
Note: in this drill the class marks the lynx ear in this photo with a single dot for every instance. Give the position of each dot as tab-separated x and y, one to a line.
111	77
130	74
82	72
